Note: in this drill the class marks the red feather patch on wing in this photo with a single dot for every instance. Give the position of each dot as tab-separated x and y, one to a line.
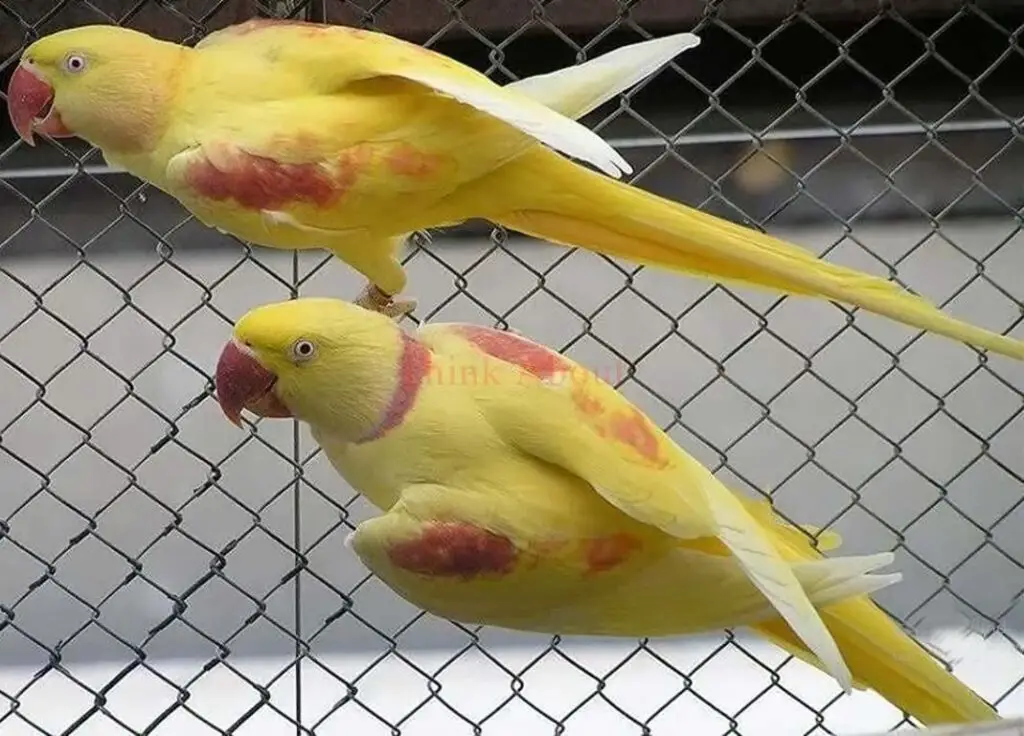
455	549
225	172
627	426
607	553
531	357
405	159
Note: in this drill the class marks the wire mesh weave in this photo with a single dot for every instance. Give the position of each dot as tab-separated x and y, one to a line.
138	525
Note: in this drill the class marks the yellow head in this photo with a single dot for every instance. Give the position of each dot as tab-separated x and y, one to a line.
324	361
108	85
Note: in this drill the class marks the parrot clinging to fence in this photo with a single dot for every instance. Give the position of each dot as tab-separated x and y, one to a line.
300	135
520	490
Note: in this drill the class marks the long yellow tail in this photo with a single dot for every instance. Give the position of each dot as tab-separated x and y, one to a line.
885	659
878	653
560	201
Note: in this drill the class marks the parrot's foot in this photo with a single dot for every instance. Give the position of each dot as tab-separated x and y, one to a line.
374	299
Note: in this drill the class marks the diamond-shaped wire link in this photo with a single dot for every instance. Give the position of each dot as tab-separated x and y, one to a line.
137	527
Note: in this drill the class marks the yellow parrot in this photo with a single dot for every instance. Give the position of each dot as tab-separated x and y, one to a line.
520	490
298	135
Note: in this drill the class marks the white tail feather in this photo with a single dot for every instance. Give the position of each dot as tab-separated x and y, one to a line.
777	581
831	580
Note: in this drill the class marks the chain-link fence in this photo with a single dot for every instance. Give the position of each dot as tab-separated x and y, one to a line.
163	572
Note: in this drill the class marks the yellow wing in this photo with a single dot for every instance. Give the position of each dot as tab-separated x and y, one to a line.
321	147
582	424
333	57
307	156
550	407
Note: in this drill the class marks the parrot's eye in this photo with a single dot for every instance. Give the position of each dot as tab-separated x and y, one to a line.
303	350
74	63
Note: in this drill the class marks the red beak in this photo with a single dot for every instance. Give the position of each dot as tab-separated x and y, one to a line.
30	105
242	383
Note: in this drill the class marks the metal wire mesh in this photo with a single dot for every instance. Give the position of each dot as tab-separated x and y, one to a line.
136	525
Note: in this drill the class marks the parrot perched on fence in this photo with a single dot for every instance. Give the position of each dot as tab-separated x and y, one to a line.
299	135
573	91
520	490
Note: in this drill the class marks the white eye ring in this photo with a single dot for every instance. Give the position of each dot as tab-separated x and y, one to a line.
74	63
303	350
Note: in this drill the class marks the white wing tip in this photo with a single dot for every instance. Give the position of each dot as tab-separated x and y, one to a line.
843	677
677	42
616	166
884	559
889	578
777	581
620	165
607	159
683	41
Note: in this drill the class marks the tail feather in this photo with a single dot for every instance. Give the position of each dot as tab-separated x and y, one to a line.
777	581
879	654
830	580
568	204
883	658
